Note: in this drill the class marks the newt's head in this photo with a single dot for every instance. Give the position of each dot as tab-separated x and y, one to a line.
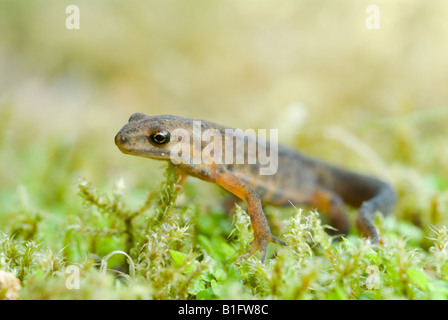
150	136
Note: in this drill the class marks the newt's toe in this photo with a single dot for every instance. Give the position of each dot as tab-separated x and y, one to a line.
275	240
260	243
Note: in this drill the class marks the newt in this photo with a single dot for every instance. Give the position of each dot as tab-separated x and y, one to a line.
299	179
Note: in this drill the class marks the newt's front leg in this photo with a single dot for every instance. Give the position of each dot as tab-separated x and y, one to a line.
262	232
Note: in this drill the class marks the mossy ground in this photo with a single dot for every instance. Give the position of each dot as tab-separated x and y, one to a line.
165	250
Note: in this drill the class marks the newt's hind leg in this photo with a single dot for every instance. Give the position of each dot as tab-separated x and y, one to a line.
331	204
364	223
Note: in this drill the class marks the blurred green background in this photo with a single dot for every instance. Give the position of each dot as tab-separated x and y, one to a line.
375	101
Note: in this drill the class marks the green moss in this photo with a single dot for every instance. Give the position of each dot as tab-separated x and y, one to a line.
162	256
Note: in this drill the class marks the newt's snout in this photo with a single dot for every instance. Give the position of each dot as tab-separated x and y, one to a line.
120	139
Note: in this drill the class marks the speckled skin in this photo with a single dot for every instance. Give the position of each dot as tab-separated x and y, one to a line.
299	180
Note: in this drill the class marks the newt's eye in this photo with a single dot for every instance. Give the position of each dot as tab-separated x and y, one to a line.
160	137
